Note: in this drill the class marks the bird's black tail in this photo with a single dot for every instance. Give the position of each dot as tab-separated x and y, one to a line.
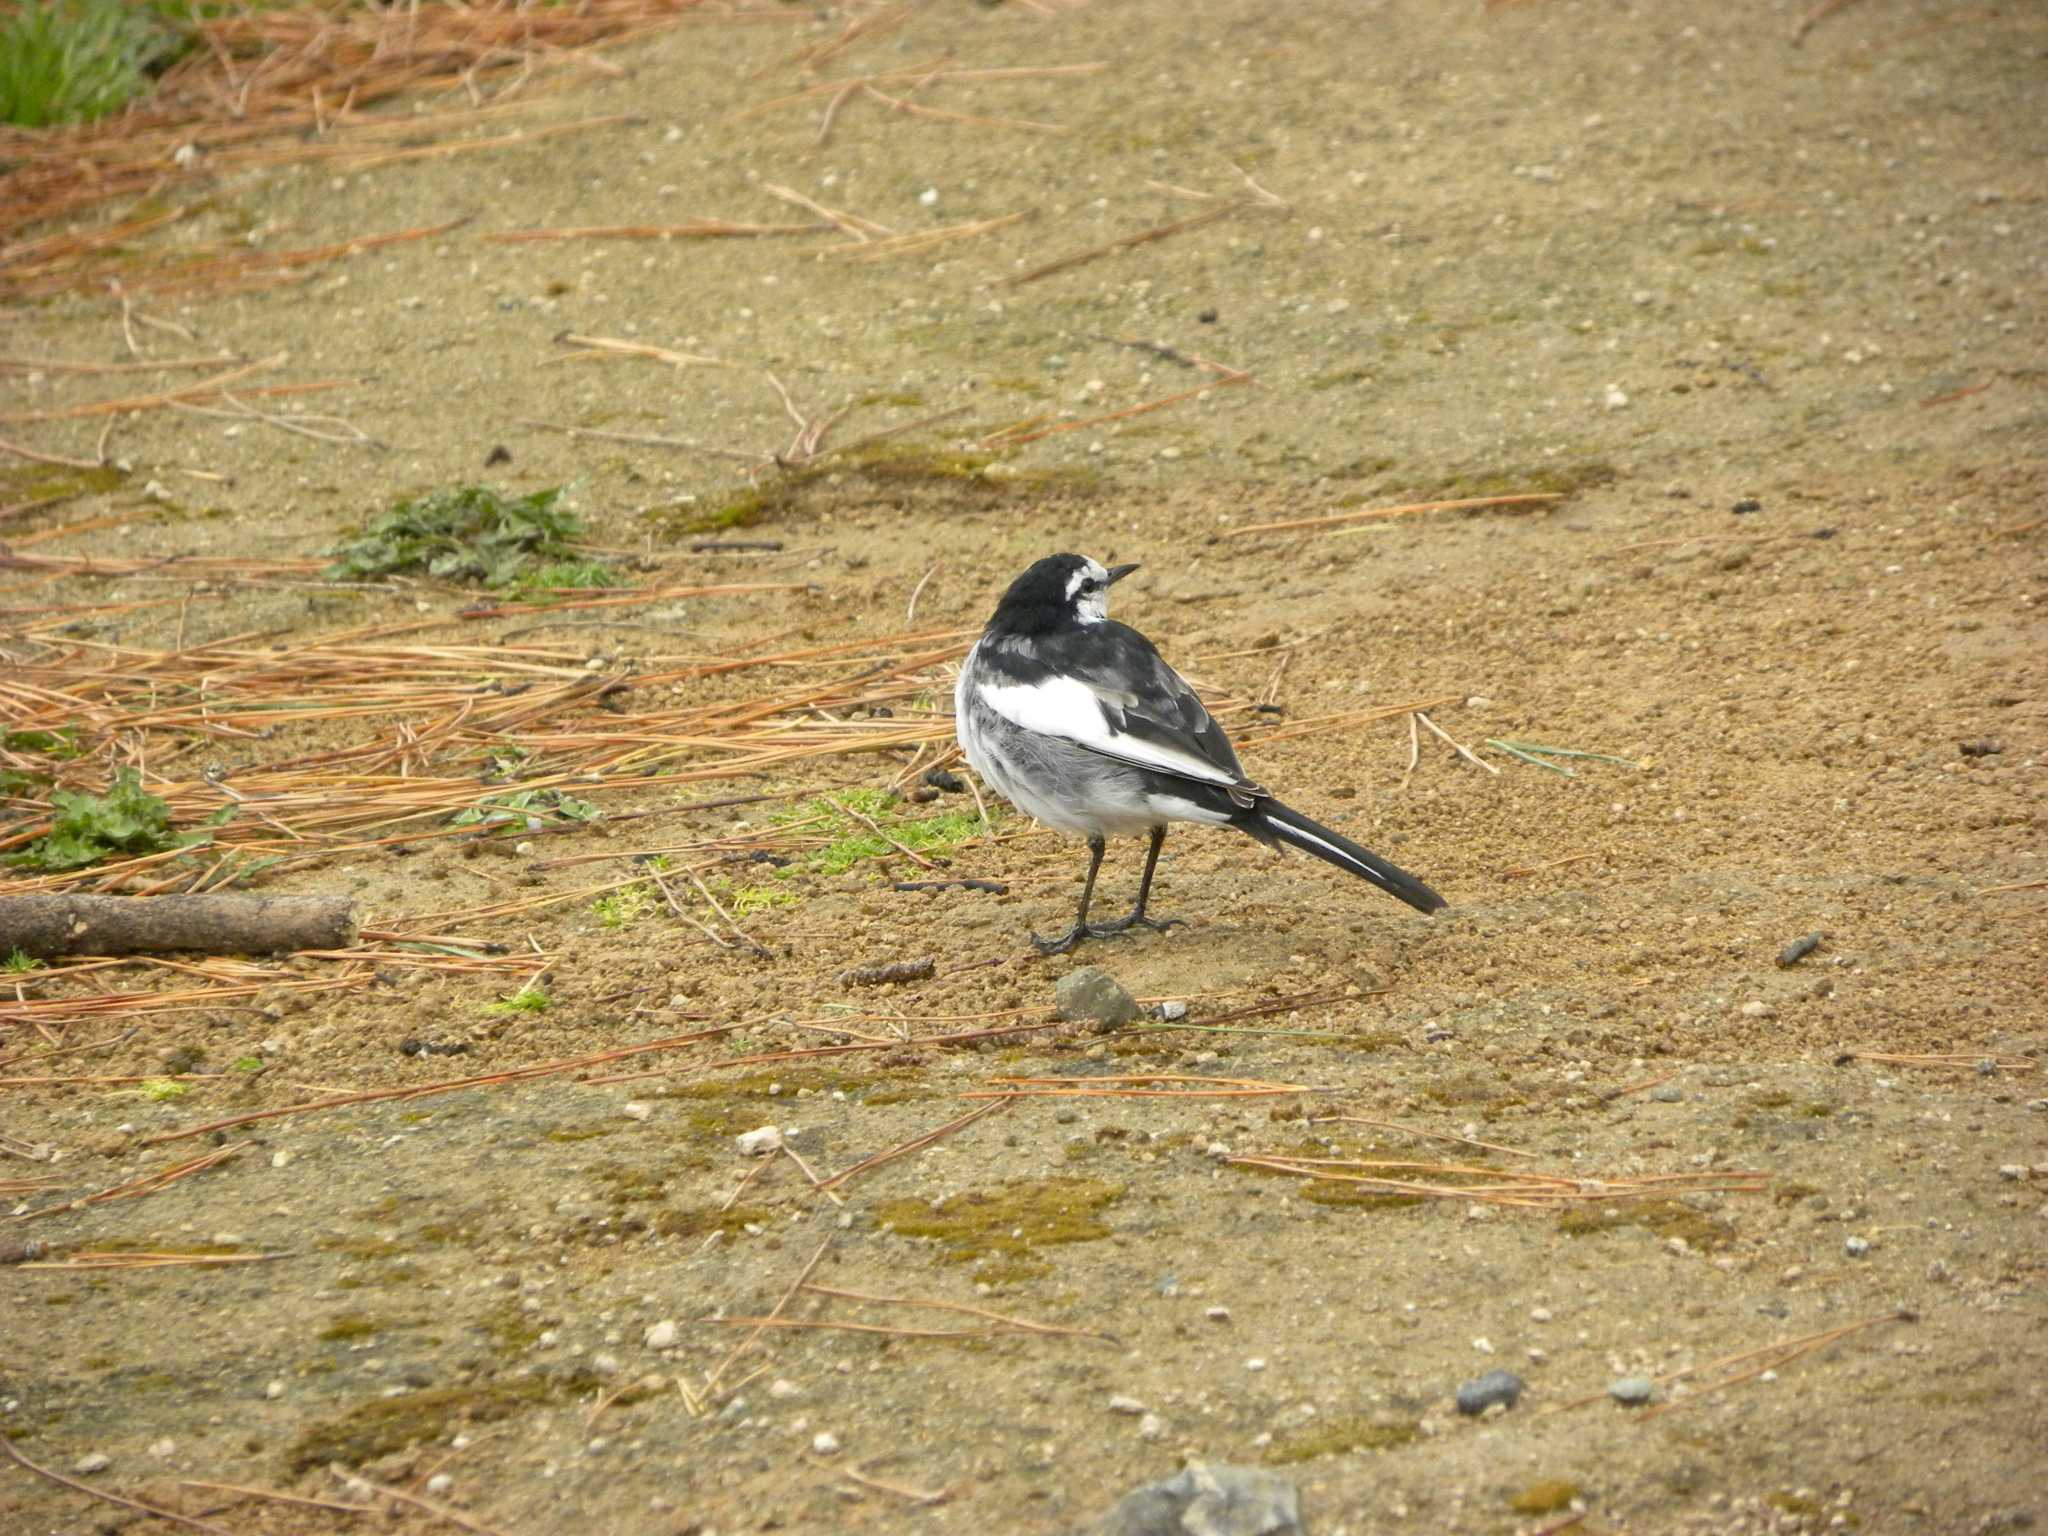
1273	823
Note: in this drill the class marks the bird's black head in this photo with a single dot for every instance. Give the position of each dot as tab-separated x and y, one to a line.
1058	590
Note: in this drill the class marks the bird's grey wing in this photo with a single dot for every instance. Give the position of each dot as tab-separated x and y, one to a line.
1146	703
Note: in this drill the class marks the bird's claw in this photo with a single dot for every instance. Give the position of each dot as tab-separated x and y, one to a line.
1067	941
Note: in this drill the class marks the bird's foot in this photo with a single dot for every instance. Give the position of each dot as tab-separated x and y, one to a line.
1074	935
1140	920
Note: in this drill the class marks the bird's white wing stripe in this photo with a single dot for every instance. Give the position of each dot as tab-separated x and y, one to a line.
1068	708
1303	836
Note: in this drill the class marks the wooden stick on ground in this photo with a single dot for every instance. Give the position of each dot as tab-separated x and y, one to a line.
112	1498
53	924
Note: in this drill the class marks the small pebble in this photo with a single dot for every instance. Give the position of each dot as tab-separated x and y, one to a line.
1255	1364
1129	1405
1175	1009
1633	1390
1218	1314
1092	994
162	1448
91	1462
634	1109
1668	1093
1747	504
440	1482
2012	1171
280	1159
1615	399
1540	1314
825	1443
274	1390
661	1335
1856	1247
1503	1387
759	1143
1150	1428
1756	1008
782	1387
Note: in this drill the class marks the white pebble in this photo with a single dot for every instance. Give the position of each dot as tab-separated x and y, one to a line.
781	1387
92	1461
1615	399
274	1390
1539	1314
759	1143
825	1443
162	1448
1129	1405
280	1159
1484	1346
661	1335
1255	1364
440	1482
929	197
1218	1314
1149	1427
635	1109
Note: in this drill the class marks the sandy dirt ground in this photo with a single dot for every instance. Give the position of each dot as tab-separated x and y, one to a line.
1767	320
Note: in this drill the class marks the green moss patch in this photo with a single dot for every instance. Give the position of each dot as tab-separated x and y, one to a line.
1545	1498
1663	1218
388	1424
1343	1435
1008	1223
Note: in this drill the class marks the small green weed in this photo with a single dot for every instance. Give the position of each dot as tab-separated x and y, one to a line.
61	743
20	962
473	533
562	576
528	999
126	819
853	841
72	61
625	906
749	899
160	1090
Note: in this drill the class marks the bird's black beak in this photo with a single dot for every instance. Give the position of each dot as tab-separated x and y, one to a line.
1118	572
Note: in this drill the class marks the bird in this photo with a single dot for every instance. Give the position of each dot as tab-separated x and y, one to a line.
1078	721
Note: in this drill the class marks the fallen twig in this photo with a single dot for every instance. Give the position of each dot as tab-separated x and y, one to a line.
175	1518
1410	509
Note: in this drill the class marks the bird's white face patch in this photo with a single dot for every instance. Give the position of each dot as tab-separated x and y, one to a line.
1088	591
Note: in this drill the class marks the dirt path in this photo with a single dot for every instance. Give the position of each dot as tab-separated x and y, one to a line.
1766	319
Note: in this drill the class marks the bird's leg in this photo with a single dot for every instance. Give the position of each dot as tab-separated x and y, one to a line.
1080	930
1138	919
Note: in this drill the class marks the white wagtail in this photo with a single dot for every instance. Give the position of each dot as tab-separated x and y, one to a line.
1079	722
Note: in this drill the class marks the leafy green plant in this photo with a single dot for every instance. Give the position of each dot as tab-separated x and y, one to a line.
71	61
527	808
20	962
127	819
472	533
528	999
161	1090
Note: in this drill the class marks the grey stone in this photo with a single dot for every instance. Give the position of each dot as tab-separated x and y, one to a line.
1092	994
1494	1387
1633	1390
1668	1093
1209	1501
